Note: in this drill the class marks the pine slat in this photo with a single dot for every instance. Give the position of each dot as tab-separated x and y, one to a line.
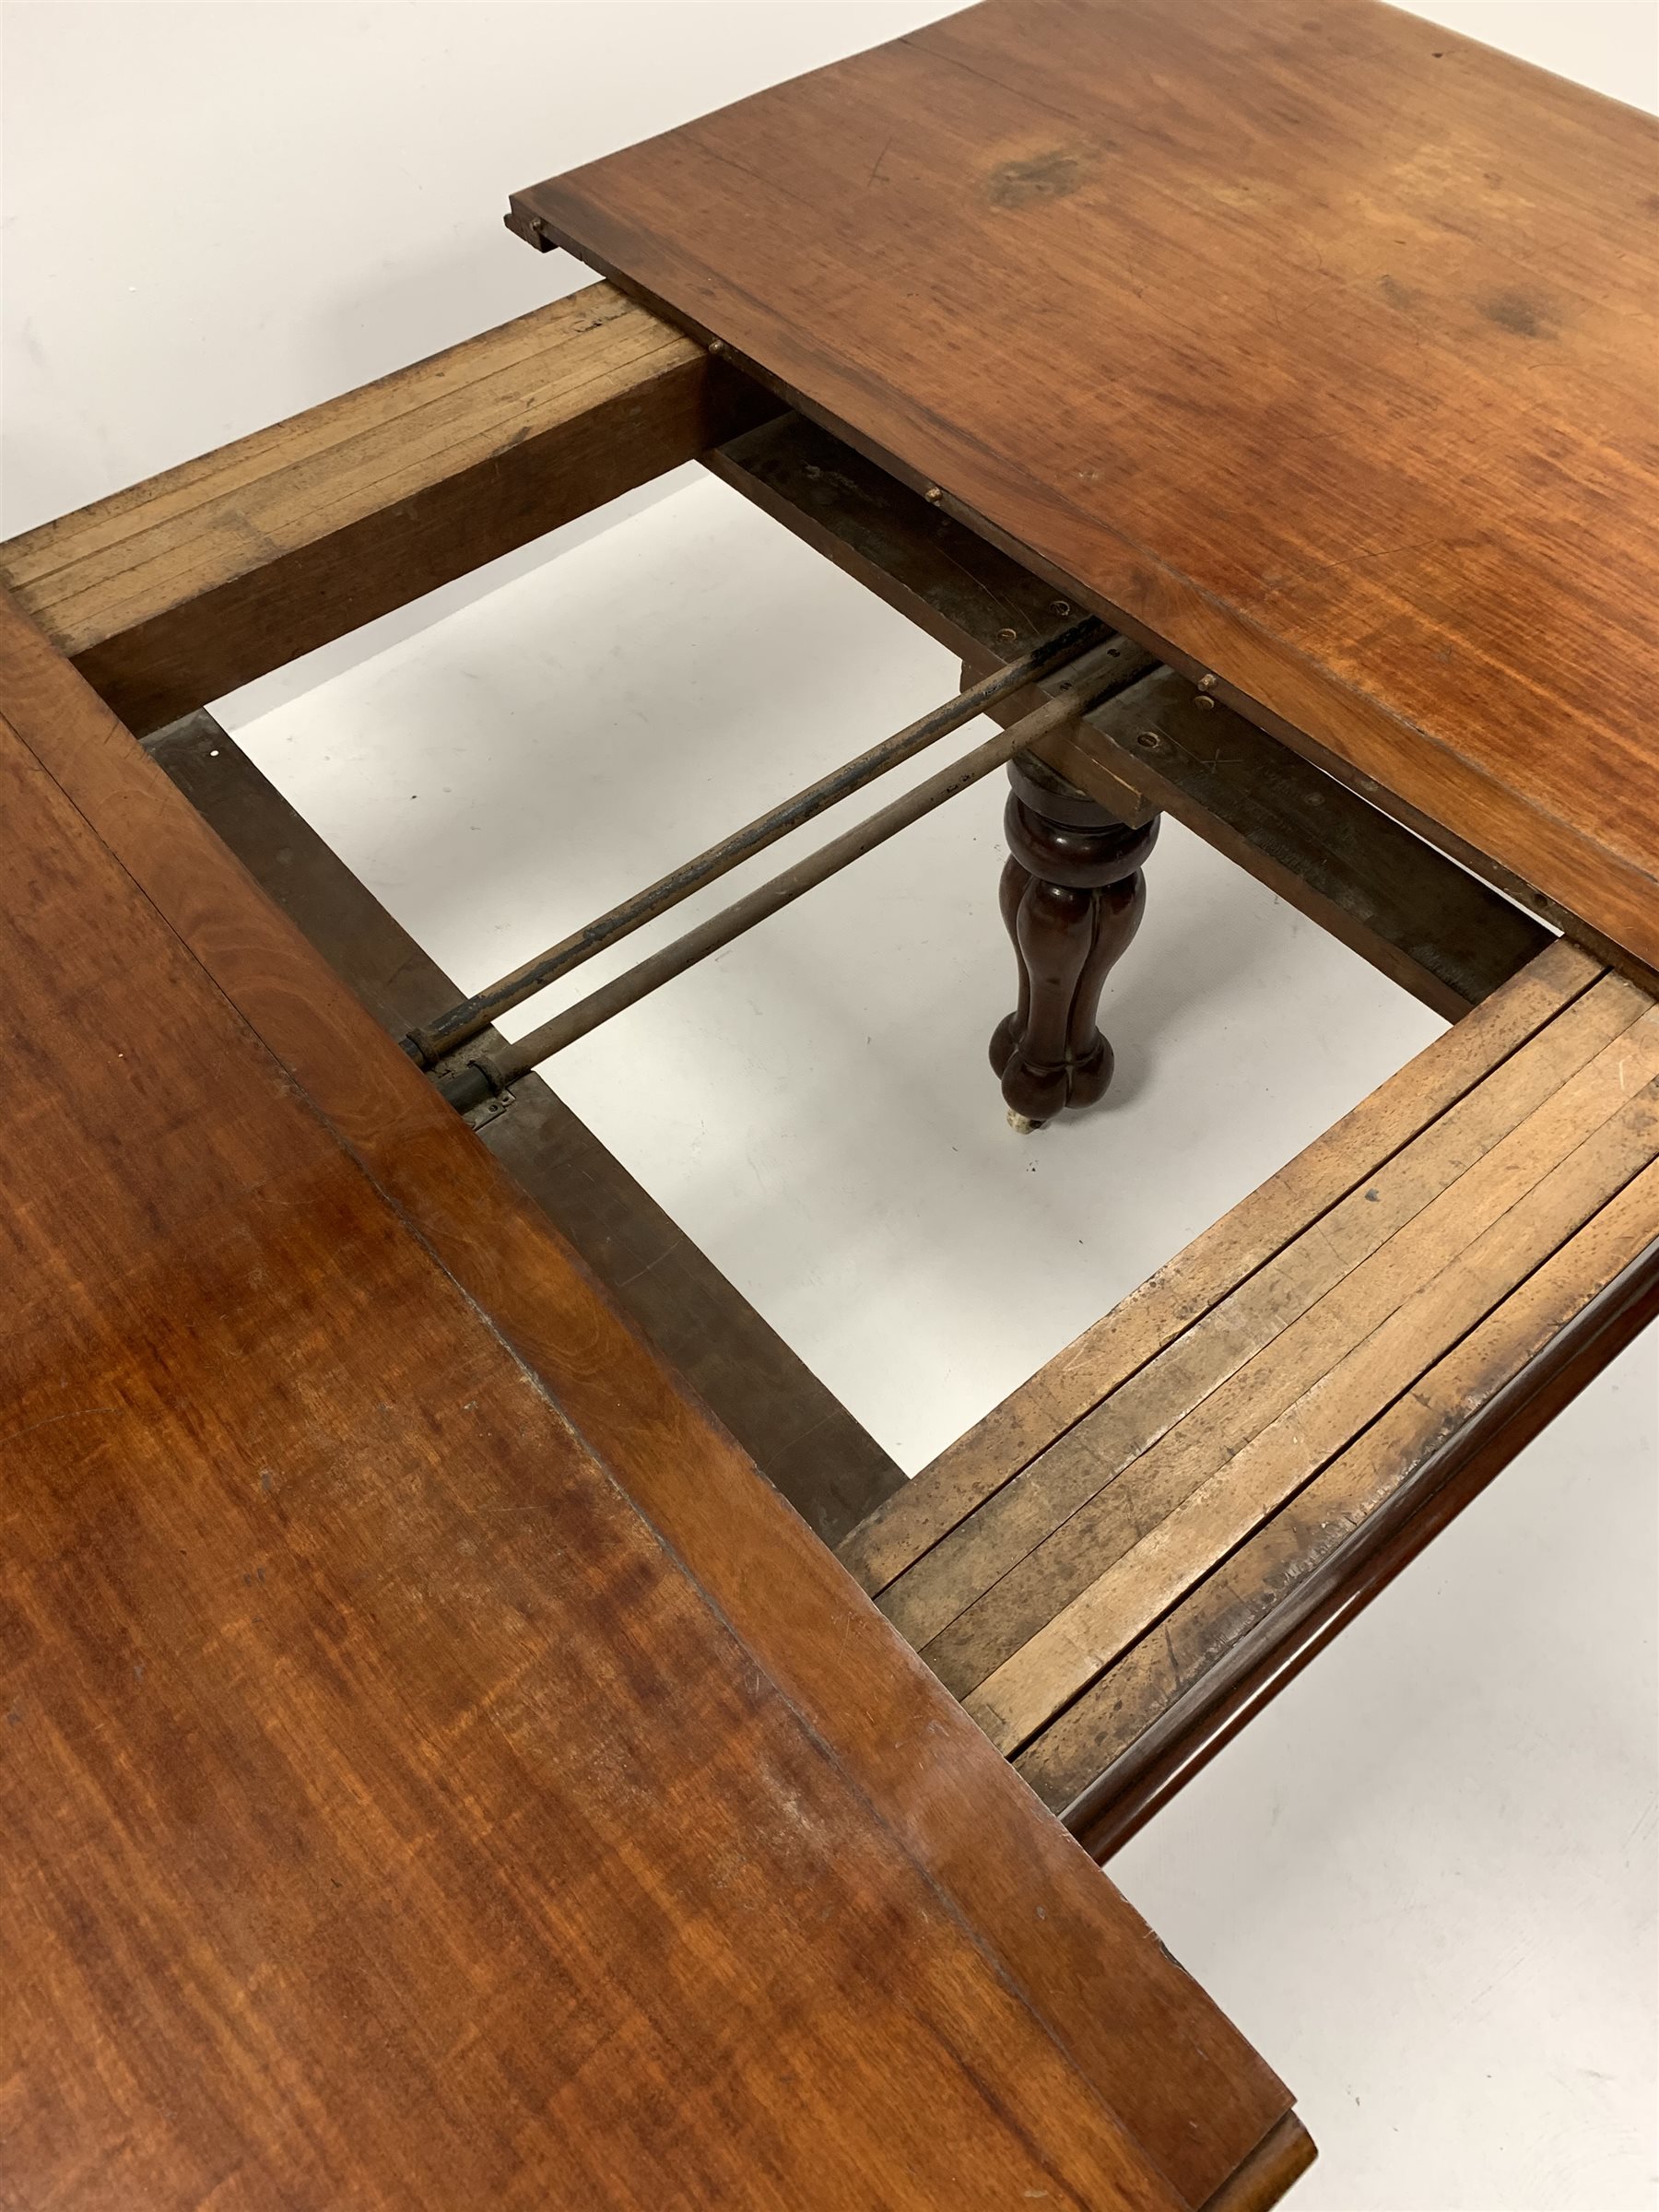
173	592
1105	1543
1199	1277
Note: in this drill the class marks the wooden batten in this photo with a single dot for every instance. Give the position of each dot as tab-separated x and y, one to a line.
1144	1542
173	591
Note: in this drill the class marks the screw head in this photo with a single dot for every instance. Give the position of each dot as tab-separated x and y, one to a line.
933	495
1149	741
1006	637
1208	704
1060	606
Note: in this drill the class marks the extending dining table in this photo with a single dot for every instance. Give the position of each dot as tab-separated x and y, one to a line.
482	1724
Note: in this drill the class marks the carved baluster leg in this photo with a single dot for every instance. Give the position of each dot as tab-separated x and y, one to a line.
1072	898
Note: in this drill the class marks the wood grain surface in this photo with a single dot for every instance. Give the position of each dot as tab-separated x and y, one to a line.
174	591
1341	1540
1311	342
403	1799
1181	1293
1149	1516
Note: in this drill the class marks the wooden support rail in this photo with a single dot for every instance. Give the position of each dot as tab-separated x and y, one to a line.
1133	1552
173	591
802	1438
1428	924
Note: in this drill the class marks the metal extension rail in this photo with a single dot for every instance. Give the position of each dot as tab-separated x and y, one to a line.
1087	661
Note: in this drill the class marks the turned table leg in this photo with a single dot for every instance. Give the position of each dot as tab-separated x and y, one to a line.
1072	898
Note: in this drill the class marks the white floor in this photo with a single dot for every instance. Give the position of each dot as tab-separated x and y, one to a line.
1425	1881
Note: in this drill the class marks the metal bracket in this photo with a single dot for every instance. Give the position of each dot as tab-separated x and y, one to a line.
492	1108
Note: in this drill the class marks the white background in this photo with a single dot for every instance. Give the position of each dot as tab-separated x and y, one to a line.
1424	1883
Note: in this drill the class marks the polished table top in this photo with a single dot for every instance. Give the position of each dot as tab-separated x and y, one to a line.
437	1770
1318	346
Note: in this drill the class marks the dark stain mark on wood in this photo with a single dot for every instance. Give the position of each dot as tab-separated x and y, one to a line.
1051	176
1514	312
1398	295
